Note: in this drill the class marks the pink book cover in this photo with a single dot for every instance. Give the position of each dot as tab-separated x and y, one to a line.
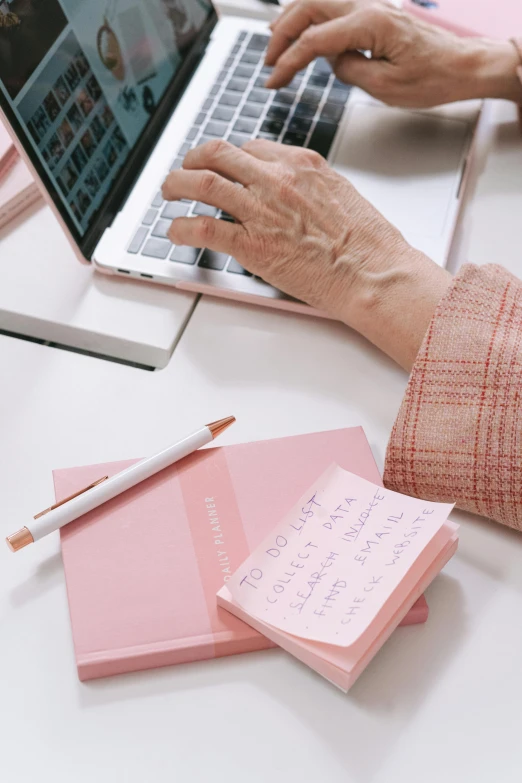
491	18
8	153
18	191
143	570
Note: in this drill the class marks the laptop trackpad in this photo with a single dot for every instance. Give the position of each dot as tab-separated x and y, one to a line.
408	164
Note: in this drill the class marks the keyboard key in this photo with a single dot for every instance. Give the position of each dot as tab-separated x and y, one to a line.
174	209
213	260
285	97
268	136
235	49
322	138
223	114
237	269
244	72
150	217
205	209
272	126
252	58
185	255
266	70
322	65
214	91
245	126
200	118
258	96
178	163
158	200
299	124
222	75
278	112
207	105
295	139
312	96
258	42
156	248
191	135
332	112
337	96
137	240
184	149
242	35
229	63
203	140
237	139
251	110
215	129
161	228
318	79
229	99
237	85
305	110
260	82
339	85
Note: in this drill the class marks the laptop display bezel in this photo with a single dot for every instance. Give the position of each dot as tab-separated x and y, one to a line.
137	158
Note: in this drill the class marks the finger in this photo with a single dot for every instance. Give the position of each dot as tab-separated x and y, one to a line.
219	235
225	159
210	188
325	40
268	151
354	68
295	19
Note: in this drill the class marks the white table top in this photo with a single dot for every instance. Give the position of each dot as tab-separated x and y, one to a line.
439	702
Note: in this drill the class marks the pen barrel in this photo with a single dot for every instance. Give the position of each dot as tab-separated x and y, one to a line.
117	484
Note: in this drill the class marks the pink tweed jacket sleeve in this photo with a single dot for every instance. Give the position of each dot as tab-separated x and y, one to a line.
458	435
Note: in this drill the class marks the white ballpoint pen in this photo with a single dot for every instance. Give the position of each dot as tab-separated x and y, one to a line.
106	488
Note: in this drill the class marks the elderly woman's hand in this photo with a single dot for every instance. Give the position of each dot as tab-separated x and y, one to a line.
413	64
304	229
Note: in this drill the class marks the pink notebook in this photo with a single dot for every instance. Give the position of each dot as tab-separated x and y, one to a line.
18	191
8	153
143	570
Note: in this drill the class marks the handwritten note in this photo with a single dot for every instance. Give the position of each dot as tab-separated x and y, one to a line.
332	563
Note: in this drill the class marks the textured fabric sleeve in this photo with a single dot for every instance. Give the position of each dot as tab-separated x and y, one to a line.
458	435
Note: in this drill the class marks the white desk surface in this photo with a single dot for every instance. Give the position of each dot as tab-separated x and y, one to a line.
439	702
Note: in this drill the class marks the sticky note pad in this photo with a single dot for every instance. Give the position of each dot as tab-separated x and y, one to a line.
340	571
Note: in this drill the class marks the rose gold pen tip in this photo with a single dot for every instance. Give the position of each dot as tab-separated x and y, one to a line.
217	427
19	539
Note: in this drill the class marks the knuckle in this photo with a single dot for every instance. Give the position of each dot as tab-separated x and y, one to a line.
207	184
307	38
217	147
207	230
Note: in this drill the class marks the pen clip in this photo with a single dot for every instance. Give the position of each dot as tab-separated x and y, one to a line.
71	497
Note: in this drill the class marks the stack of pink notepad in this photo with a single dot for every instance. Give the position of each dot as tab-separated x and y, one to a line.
18	190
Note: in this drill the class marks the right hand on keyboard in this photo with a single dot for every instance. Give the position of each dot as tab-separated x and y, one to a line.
305	230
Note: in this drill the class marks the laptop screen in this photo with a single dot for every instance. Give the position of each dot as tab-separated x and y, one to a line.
84	77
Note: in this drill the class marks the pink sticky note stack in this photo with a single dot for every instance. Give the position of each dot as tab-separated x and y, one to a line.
142	571
340	571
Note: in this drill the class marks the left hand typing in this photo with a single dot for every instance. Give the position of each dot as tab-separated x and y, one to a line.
306	230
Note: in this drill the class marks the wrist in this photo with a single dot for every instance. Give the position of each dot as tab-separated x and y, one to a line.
393	308
492	69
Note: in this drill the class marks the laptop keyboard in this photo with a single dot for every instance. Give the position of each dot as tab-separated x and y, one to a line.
238	108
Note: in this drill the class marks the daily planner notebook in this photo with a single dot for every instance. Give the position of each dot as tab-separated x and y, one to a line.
143	570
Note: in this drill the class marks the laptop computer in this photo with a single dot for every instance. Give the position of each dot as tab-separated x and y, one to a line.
103	99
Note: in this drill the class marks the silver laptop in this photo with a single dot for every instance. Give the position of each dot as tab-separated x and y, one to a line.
106	99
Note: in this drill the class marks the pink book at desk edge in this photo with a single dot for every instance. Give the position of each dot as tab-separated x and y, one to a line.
143	570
